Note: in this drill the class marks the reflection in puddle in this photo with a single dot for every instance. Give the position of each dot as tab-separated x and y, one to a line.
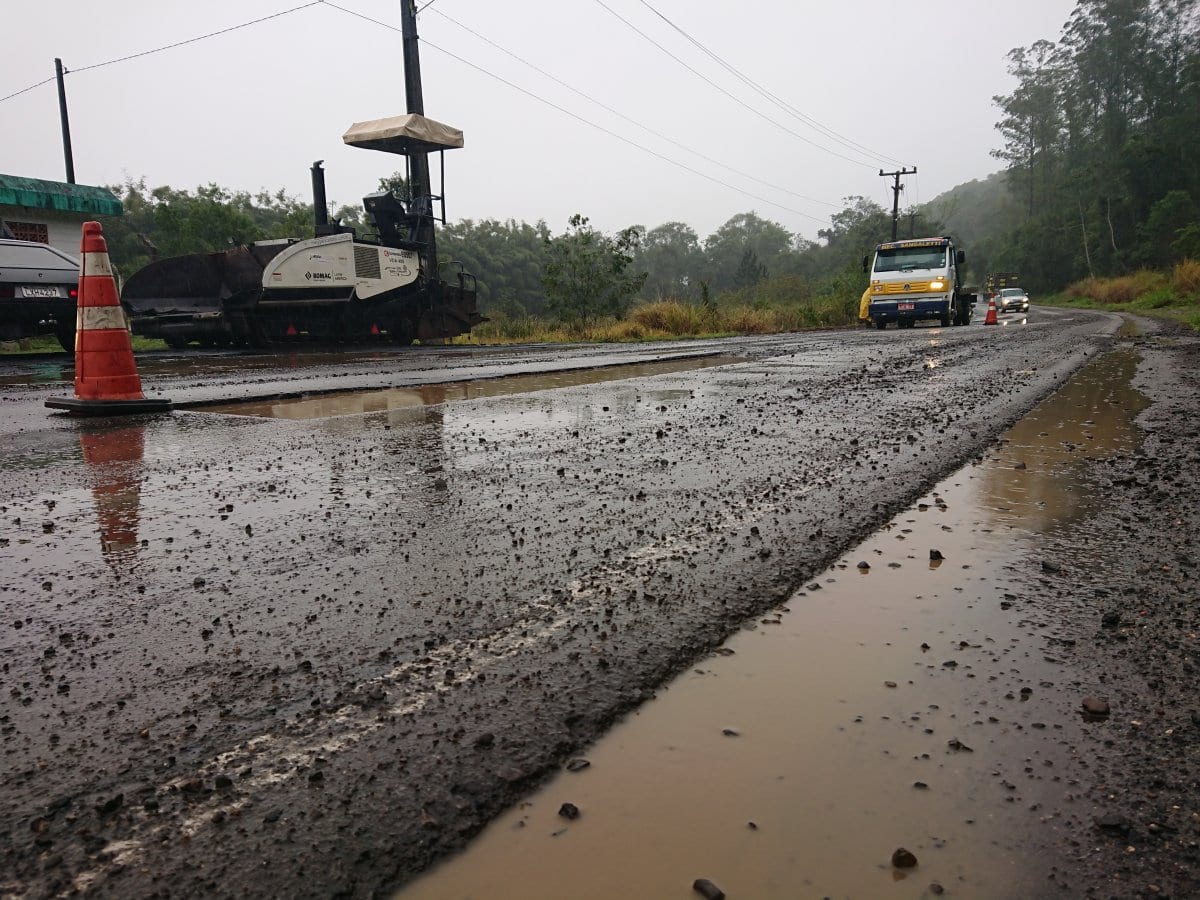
897	700
1035	486
399	399
114	460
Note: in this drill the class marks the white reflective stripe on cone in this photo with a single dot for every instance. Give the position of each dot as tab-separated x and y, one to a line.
96	264
94	318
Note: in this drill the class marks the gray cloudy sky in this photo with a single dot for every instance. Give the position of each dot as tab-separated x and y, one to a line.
253	108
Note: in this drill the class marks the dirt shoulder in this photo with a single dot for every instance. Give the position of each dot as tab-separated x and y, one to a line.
1125	578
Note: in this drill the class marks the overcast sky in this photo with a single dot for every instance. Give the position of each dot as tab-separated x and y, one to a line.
897	84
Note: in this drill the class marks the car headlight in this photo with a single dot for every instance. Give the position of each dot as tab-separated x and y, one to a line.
938	285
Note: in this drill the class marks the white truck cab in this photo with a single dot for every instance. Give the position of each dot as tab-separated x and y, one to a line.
917	279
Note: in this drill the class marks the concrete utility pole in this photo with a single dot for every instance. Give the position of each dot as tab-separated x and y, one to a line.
896	189
66	125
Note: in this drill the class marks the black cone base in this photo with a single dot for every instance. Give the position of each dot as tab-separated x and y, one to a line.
78	407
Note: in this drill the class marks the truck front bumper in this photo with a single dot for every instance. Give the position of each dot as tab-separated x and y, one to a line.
910	308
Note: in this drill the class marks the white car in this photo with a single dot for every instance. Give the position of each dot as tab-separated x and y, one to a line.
38	287
1012	300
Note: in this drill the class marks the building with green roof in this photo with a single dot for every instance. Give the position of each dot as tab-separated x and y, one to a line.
51	212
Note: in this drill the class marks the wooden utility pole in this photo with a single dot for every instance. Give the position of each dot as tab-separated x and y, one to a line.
66	124
896	189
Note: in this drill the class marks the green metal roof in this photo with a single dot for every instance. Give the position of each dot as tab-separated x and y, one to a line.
41	194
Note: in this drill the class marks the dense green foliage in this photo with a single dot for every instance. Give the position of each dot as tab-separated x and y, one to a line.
525	269
588	274
1100	141
167	222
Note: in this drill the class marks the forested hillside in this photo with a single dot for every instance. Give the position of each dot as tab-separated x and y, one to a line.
1100	141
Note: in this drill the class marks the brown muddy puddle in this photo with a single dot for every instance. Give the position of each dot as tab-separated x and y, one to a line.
394	400
916	704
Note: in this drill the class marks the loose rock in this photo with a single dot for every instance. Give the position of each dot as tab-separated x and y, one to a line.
707	889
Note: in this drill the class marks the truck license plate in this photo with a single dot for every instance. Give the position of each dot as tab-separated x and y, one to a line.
41	292
906	307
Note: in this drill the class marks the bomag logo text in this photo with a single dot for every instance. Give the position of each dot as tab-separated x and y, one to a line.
318	276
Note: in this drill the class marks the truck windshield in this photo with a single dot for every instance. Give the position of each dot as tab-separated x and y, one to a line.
905	259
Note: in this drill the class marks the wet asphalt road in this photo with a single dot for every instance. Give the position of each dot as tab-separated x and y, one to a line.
266	657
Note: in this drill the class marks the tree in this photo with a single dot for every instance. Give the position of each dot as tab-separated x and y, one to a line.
749	271
395	184
1165	228
587	274
1100	141
506	259
725	247
1032	125
671	256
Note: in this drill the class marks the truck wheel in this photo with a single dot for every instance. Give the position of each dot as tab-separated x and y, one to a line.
945	320
881	324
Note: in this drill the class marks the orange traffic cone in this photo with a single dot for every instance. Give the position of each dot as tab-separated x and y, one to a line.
991	314
106	378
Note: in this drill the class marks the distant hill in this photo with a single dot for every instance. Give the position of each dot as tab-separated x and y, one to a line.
978	214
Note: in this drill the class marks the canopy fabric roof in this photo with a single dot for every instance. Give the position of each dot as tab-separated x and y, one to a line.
403	134
58	195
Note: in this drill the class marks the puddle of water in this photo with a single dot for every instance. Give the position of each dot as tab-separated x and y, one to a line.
843	712
1034	483
398	399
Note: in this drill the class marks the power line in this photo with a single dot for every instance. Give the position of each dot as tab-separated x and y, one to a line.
846	142
28	89
733	97
200	38
621	115
142	53
580	118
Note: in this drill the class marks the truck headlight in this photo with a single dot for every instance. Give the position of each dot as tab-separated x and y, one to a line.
937	285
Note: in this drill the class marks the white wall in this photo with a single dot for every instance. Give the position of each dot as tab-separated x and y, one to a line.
63	228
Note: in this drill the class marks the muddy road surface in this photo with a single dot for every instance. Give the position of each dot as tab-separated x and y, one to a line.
305	649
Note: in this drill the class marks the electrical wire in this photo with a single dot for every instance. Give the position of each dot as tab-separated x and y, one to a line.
734	98
142	53
200	38
846	142
580	118
631	121
28	89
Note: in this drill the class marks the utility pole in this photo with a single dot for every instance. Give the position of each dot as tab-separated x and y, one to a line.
896	189
66	124
420	186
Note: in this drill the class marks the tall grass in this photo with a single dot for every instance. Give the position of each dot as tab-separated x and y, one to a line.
770	309
1123	289
1185	280
1176	292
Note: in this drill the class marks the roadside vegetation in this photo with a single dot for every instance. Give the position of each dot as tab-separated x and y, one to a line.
1173	295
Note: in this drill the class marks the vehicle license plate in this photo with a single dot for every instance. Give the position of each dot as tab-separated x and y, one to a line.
905	307
41	291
